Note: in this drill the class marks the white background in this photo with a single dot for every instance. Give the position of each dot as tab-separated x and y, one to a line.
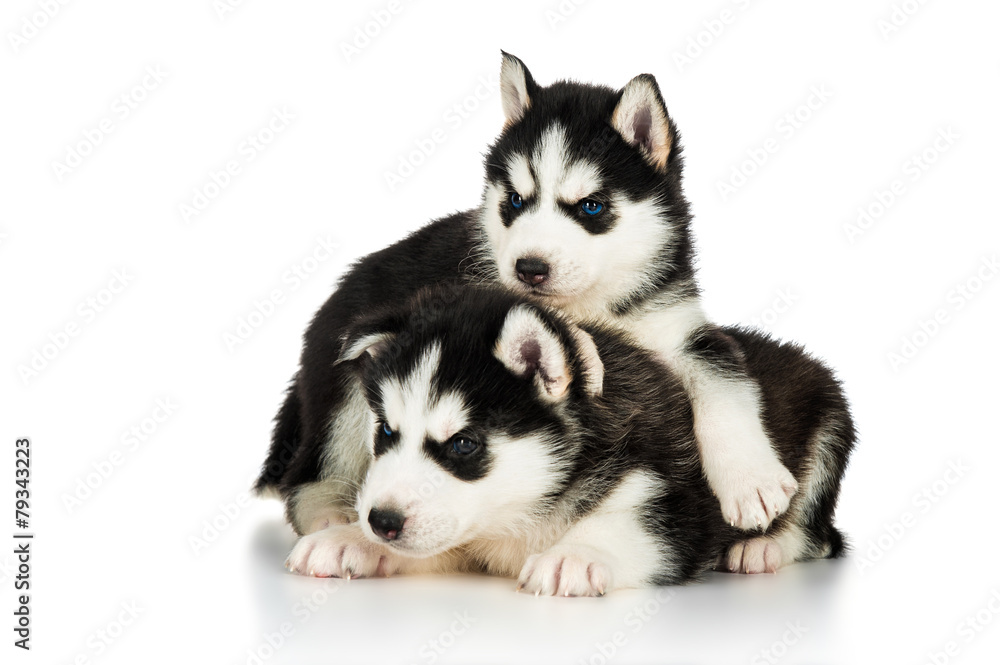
920	568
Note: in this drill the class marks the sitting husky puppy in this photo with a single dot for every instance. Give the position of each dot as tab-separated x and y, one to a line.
502	438
583	208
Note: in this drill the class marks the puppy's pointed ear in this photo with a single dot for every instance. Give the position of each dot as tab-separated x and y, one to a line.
516	88
373	336
529	348
373	344
641	119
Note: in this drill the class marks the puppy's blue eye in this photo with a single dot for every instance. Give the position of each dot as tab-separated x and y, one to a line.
591	207
463	445
386	429
515	200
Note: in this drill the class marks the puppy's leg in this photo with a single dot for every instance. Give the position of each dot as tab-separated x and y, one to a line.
740	463
609	548
342	550
766	554
339	550
763	554
314	506
742	467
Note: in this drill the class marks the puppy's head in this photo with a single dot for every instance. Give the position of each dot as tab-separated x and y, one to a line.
473	395
583	204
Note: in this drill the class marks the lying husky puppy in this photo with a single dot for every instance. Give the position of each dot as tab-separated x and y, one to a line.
583	208
503	439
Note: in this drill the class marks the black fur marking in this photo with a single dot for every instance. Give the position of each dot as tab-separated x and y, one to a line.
602	222
469	467
383	442
508	213
718	350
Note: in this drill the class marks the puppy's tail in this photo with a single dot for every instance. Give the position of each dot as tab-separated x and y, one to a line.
285	442
839	545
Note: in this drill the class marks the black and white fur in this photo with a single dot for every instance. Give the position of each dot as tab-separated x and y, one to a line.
629	267
502	438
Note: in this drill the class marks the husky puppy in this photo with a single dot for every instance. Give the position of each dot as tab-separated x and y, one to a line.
502	438
583	208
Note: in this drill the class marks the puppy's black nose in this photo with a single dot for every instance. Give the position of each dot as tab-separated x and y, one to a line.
532	271
386	523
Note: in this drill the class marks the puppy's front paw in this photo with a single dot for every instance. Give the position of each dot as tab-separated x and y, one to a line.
340	550
756	555
752	496
566	571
